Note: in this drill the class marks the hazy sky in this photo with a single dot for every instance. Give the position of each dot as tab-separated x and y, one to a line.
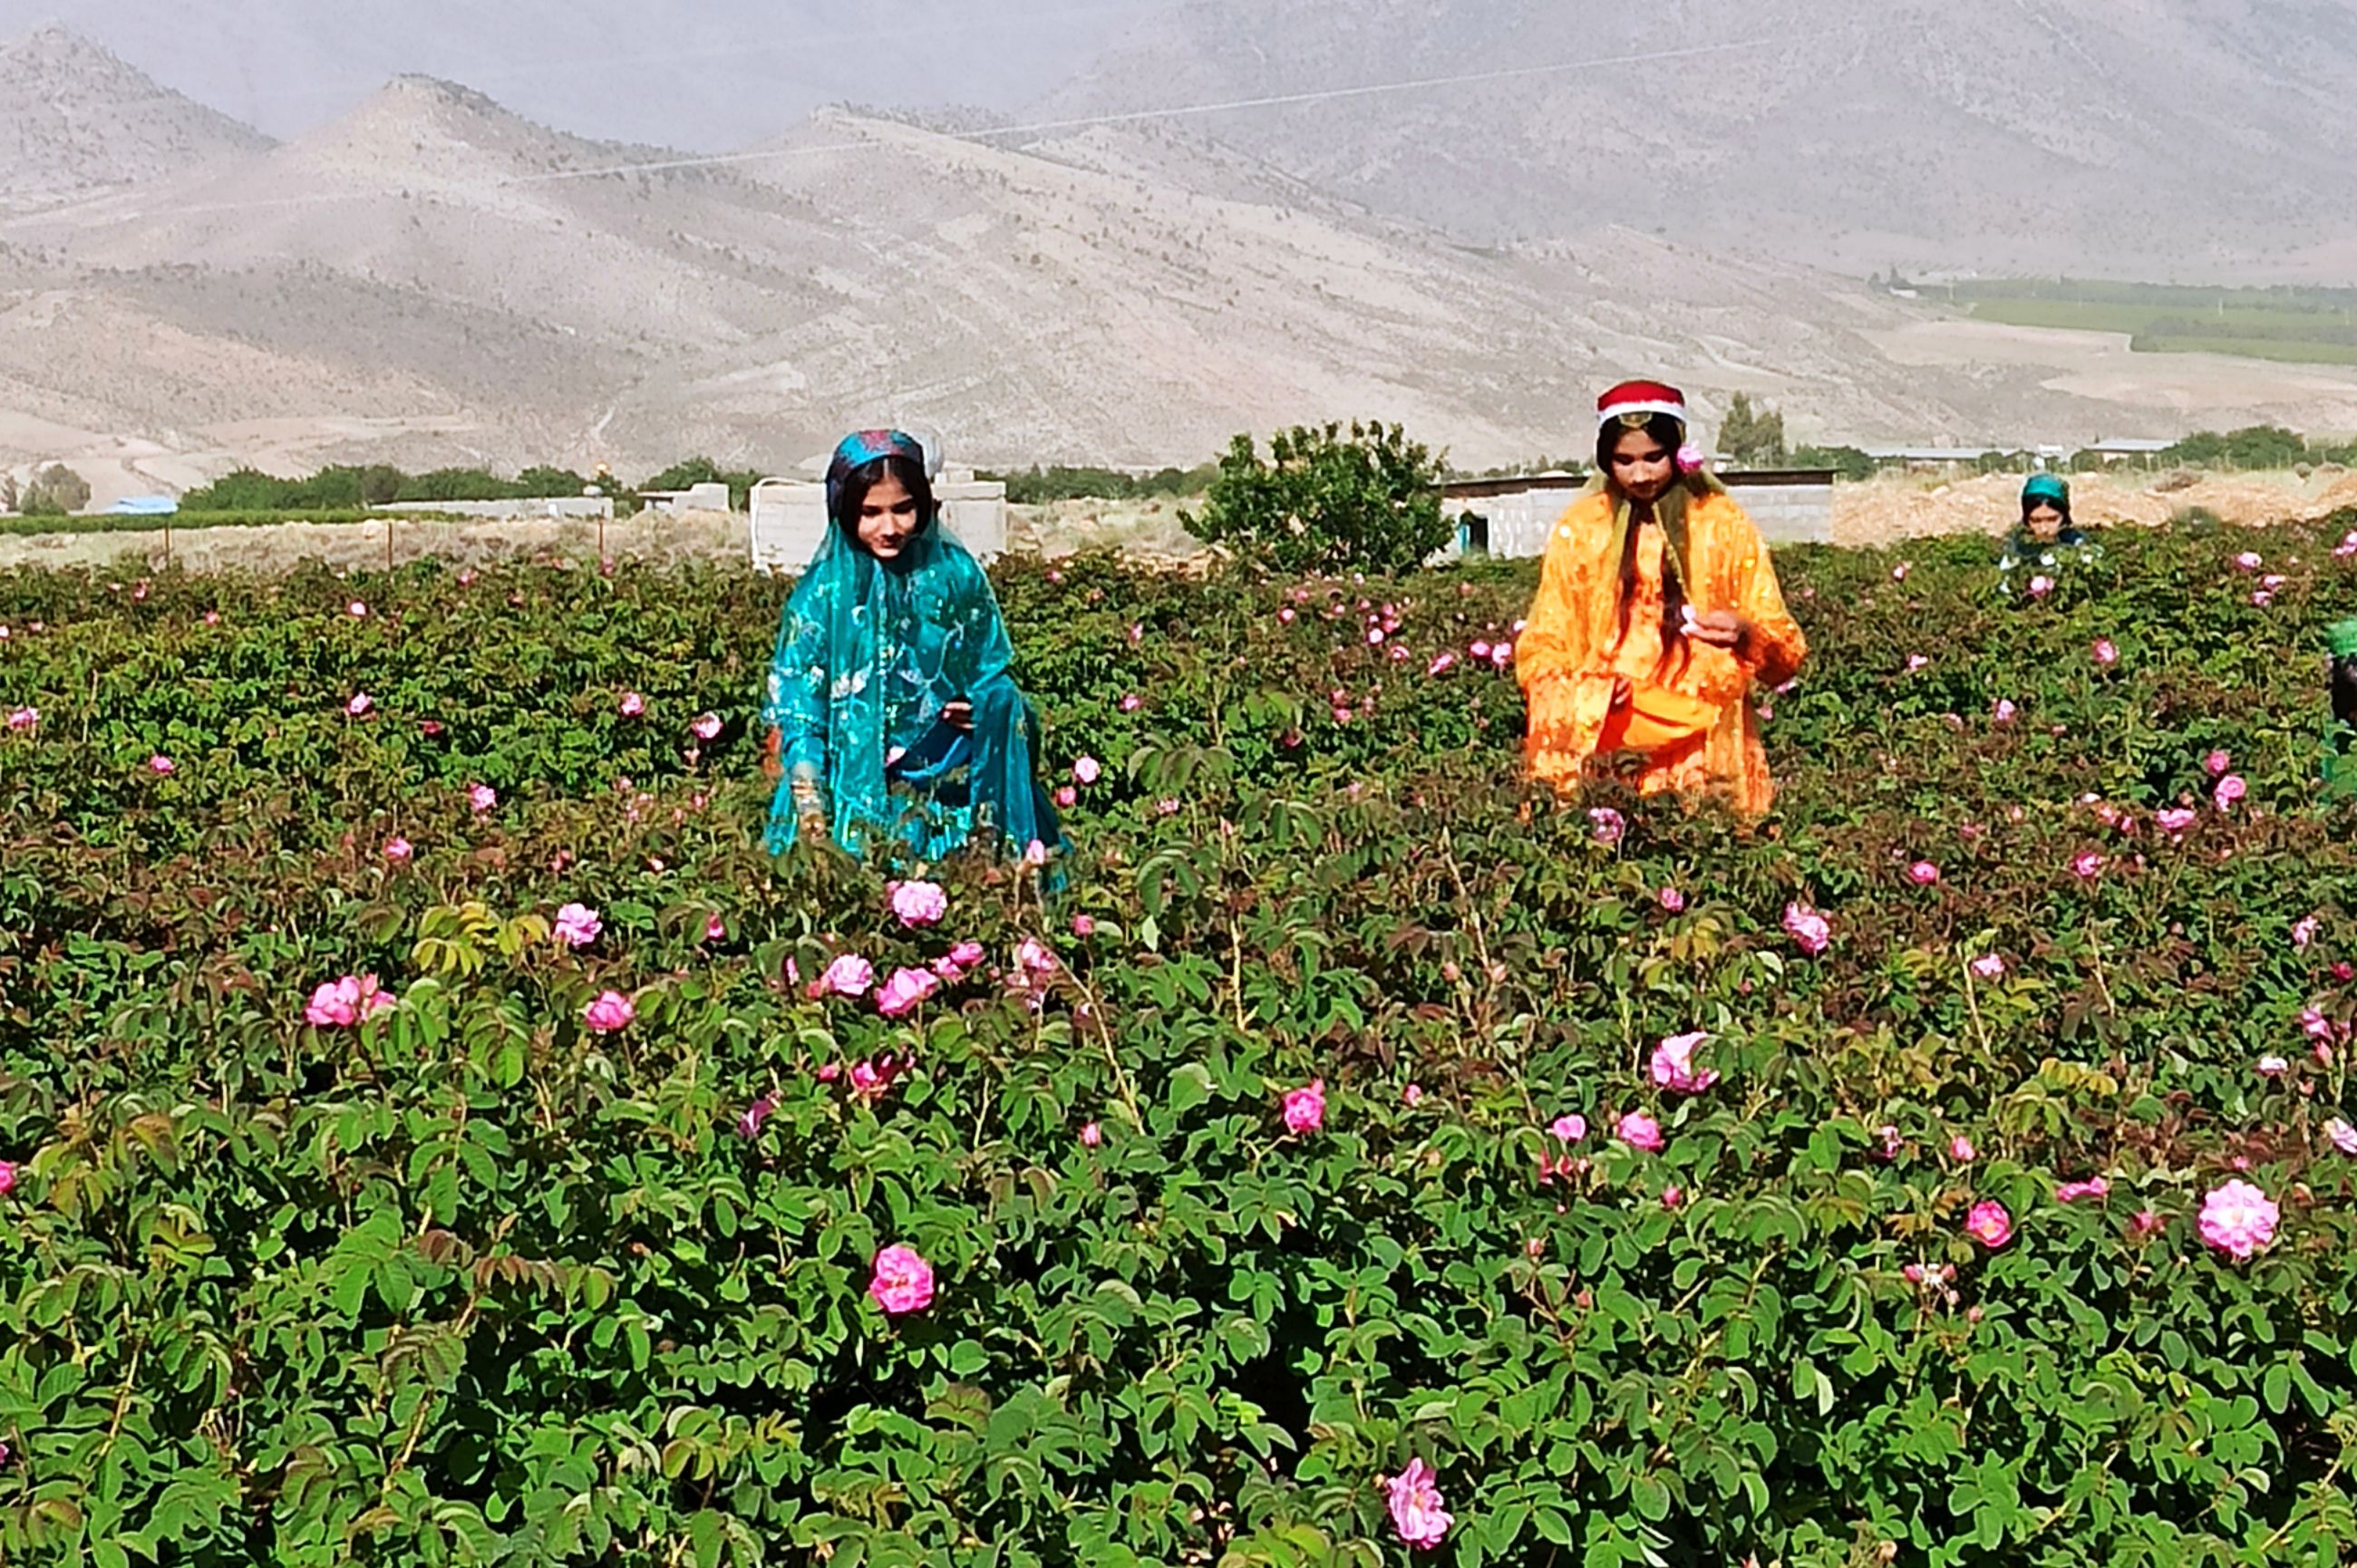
688	73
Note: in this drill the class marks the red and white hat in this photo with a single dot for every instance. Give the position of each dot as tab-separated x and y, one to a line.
1635	401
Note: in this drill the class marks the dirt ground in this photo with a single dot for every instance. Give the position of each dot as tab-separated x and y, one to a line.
1888	509
1894	506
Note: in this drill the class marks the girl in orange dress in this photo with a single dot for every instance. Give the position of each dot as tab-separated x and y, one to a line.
1657	612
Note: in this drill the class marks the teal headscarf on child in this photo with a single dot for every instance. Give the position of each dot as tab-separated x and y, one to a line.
868	652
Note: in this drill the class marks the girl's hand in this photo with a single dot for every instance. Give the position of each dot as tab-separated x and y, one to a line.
1720	628
958	715
773	766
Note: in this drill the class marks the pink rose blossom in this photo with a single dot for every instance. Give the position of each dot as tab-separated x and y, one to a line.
1305	1108
1441	663
1087	771
1672	1196
359	705
1673	1064
1988	966
2249	561
1415	1506
2143	1222
1960	1150
1479	650
898	997
2344	1136
1923	874
2217	762
7	1185
903	1281
2072	1191
2238	1219
715	928
340	1004
847	976
161	766
2272	1066
1067	797
24	719
1569	1128
2230	789
1092	1135
1899	573
1989	1224
1131	701
1167	806
1610	826
1083	927
632	704
1640	1131
706	725
2176	819
1892	1144
1672	900
1808	928
748	1125
1286	615
2040	586
399	850
916	904
612	1011
2086	865
1916	661
2103	652
577	925
2004	710
356	609
482	796
1411	1096
2304	933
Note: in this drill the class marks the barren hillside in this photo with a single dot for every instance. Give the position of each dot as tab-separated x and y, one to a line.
74	119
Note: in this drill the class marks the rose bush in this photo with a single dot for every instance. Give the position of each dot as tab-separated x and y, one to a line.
767	1226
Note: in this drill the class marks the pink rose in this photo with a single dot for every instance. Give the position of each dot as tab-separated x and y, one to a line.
2176	819
2238	1219
2344	1136
1067	797
1479	650
1569	1128
1092	1135
1672	1196
1087	771
899	996
1610	825
1899	573
1640	1131
748	1125
715	928
2040	586
706	726
2143	1222
1988	966
1416	1507
359	705
632	704
399	850
2103	652
903	1281
847	976
1989	1224
1923	874
2072	1191
1441	663
1500	655
24	719
1808	928
917	904
1131	701
1892	1144
482	796
2304	933
577	925
2086	865
1916	661
356	609
2272	1066
160	765
1960	1150
2217	762
612	1011
1411	1096
1083	927
1286	615
1305	1108
2004	710
2230	789
340	1004
1673	1064
2249	561
7	1185
1672	900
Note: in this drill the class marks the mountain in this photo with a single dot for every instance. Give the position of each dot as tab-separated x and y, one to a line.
2156	138
75	119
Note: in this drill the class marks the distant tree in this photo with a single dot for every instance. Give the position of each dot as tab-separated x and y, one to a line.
55	491
1327	502
8	492
1752	438
1848	462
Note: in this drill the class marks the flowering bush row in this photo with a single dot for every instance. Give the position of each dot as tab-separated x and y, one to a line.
432	1130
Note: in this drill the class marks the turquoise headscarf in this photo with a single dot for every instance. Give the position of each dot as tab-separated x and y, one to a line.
868	653
2052	490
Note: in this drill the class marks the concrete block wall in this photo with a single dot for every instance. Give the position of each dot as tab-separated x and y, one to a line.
789	519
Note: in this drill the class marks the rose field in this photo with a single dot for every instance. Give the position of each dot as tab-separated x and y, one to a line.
433	1129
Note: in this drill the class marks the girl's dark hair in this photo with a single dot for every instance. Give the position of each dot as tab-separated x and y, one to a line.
864	479
2031	503
1671	434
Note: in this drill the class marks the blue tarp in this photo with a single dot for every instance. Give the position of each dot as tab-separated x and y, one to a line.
144	506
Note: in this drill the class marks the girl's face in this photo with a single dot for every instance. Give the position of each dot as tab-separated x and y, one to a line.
887	517
2045	523
1642	466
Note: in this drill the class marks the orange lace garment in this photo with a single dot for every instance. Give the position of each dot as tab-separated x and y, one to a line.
1572	649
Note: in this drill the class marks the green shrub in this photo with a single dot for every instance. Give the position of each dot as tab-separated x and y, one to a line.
470	1283
1326	503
